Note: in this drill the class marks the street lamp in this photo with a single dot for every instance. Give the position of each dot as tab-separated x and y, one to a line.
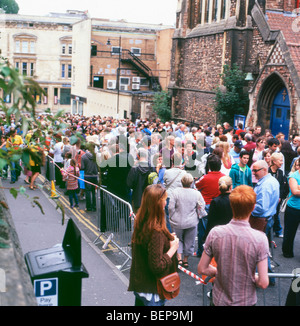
118	73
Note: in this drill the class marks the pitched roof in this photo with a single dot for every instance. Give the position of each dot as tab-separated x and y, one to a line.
289	24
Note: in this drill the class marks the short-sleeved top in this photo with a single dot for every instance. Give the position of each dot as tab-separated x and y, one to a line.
294	201
237	248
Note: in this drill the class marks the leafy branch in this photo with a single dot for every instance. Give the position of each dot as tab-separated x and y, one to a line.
23	92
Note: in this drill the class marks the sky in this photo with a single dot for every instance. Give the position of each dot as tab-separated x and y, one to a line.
135	11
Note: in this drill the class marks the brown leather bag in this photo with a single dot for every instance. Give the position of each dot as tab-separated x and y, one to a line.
168	287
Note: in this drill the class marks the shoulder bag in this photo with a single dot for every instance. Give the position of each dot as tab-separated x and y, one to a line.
168	287
284	203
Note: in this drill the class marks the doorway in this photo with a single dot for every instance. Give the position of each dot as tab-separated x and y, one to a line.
280	113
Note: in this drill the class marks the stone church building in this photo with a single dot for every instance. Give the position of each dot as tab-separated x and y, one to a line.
261	36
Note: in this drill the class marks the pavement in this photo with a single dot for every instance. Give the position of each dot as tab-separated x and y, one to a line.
107	284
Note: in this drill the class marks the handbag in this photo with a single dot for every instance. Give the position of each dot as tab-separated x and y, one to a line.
168	287
201	212
284	203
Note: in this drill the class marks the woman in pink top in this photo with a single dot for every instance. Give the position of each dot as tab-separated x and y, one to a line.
71	175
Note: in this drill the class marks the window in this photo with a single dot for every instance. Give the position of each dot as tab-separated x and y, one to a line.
63	48
136	51
70	48
66	70
144	82
200	11
125	81
212	10
69	71
32	47
116	50
94	50
18	46
24	47
65	96
46	96
55	95
278	113
98	81
24	68
223	8
206	11
215	10
31	69
63	70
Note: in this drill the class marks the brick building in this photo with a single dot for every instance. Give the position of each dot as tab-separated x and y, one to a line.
118	65
261	36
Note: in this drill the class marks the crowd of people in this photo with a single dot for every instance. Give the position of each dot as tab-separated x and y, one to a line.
184	181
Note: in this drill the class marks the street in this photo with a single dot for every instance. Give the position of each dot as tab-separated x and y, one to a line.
106	284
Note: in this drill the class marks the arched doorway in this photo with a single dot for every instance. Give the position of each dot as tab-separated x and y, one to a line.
280	113
273	95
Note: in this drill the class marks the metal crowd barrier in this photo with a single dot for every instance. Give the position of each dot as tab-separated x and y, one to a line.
277	293
115	217
115	222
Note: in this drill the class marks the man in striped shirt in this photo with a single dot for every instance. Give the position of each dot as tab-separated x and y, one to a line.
238	251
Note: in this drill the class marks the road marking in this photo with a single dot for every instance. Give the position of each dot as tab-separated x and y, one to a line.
86	222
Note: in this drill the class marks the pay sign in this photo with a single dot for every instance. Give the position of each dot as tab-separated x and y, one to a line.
46	292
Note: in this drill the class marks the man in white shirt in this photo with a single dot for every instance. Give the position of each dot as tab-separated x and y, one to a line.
58	160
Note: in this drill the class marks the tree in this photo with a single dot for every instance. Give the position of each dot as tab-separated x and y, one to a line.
231	98
9	6
162	106
23	91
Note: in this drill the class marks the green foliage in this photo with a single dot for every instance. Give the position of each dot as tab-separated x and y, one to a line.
24	91
161	105
9	6
231	98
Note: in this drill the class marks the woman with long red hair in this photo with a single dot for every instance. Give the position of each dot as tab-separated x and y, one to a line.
153	248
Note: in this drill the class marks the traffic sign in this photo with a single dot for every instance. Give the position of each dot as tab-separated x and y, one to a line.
46	292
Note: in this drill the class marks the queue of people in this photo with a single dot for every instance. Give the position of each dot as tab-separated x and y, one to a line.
183	183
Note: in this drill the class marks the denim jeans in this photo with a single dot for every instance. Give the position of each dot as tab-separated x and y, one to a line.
142	302
90	193
201	232
277	225
15	171
73	195
167	215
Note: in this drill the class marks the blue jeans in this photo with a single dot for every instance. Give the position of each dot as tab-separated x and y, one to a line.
73	195
201	232
15	171
277	226
167	215
142	302
269	226
90	193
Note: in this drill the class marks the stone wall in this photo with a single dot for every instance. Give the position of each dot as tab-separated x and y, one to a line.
18	287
